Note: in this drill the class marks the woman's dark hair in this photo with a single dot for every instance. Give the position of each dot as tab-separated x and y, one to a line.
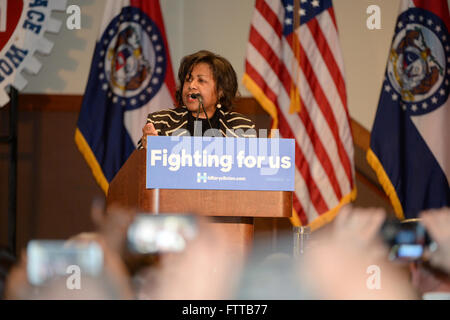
223	73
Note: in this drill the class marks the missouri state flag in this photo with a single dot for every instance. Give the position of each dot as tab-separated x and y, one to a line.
410	140
131	75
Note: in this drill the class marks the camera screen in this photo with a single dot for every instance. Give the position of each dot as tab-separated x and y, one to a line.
408	251
407	240
161	233
51	258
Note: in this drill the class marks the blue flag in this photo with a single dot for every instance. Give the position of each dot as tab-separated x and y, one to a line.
410	140
131	75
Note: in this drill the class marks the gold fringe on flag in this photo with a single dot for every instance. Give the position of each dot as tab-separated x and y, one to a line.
386	183
90	158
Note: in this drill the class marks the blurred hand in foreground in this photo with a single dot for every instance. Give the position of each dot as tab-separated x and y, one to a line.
350	260
437	223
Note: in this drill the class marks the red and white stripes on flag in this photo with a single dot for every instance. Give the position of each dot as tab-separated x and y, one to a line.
294	69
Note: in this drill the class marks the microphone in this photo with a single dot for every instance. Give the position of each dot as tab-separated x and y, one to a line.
197	96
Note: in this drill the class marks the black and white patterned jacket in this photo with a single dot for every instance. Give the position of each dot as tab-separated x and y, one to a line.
170	122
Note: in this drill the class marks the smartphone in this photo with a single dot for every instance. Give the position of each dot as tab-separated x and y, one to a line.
150	234
407	240
47	259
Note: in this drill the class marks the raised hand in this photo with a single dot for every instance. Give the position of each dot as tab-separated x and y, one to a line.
148	130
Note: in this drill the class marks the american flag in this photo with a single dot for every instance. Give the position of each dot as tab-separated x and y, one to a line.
294	68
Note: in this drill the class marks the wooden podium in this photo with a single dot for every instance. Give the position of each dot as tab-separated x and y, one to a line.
232	210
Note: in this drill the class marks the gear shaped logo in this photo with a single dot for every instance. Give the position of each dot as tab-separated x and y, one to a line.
22	27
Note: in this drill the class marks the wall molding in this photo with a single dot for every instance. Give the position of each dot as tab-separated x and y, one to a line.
50	102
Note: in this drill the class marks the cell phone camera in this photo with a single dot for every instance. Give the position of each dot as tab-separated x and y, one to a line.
407	239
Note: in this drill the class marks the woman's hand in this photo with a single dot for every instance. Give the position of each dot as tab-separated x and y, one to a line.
148	130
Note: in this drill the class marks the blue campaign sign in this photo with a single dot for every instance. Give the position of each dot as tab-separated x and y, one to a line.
220	163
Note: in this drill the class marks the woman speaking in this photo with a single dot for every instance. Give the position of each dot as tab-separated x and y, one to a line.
208	86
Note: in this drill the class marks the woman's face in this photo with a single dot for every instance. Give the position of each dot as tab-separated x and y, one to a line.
200	81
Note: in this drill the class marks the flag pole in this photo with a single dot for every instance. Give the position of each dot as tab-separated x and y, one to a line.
295	104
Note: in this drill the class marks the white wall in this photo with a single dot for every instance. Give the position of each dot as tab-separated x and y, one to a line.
365	53
222	26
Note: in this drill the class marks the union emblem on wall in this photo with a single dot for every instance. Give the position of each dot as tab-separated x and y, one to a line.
22	27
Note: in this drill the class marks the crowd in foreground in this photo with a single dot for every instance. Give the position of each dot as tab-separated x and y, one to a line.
346	259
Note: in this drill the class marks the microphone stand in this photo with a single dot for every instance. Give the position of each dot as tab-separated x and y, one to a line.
200	104
198	113
204	111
